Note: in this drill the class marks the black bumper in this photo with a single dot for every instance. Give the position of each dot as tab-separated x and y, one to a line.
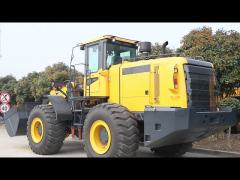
168	126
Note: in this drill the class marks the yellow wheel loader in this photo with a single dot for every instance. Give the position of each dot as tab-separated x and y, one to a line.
164	102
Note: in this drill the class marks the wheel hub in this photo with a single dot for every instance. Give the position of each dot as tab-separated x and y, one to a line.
37	130
100	137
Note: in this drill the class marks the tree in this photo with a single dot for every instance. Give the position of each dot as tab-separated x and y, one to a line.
197	41
59	71
23	88
157	49
41	83
35	85
7	84
221	48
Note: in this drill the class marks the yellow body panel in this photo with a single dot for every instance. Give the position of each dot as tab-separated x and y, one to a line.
114	84
132	90
154	87
169	96
101	86
55	92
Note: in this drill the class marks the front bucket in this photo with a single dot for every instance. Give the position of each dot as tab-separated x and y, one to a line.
16	119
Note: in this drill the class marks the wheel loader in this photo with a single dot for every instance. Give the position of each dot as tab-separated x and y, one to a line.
129	98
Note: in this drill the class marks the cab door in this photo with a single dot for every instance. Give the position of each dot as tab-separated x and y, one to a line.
97	78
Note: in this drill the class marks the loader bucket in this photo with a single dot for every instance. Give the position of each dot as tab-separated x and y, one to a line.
16	119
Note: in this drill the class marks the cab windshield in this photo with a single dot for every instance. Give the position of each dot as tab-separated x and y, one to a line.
116	53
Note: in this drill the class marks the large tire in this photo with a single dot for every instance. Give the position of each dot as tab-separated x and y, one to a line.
53	131
123	129
173	150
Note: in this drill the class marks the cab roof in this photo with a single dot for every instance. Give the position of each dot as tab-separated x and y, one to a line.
111	37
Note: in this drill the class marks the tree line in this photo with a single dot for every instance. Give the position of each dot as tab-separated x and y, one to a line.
35	85
221	48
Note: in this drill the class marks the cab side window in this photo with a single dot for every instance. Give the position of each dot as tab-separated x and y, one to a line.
93	56
117	53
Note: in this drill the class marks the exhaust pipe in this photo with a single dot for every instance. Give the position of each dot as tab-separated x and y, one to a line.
164	47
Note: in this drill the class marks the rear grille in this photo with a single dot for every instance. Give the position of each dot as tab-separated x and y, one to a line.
200	82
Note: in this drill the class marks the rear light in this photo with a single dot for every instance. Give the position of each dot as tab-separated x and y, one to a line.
175	78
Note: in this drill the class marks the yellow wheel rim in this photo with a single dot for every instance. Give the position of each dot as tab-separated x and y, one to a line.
99	142
37	130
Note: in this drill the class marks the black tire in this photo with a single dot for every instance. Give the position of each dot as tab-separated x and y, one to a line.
54	131
173	150
123	127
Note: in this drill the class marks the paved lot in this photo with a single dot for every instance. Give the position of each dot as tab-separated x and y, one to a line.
18	147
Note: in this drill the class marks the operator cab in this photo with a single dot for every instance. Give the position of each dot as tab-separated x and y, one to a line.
102	52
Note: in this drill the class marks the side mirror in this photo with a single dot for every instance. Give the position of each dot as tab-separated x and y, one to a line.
82	48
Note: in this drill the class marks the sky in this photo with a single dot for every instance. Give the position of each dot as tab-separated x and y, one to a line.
28	47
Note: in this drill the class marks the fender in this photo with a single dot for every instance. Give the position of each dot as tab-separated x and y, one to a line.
62	108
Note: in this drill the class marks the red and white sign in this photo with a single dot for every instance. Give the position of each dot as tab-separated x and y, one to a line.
4	98
4	108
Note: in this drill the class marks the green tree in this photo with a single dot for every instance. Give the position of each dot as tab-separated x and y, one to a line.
7	84
197	42
221	48
42	84
157	49
35	85
23	88
59	71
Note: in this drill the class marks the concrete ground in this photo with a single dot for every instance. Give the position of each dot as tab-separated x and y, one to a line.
18	147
